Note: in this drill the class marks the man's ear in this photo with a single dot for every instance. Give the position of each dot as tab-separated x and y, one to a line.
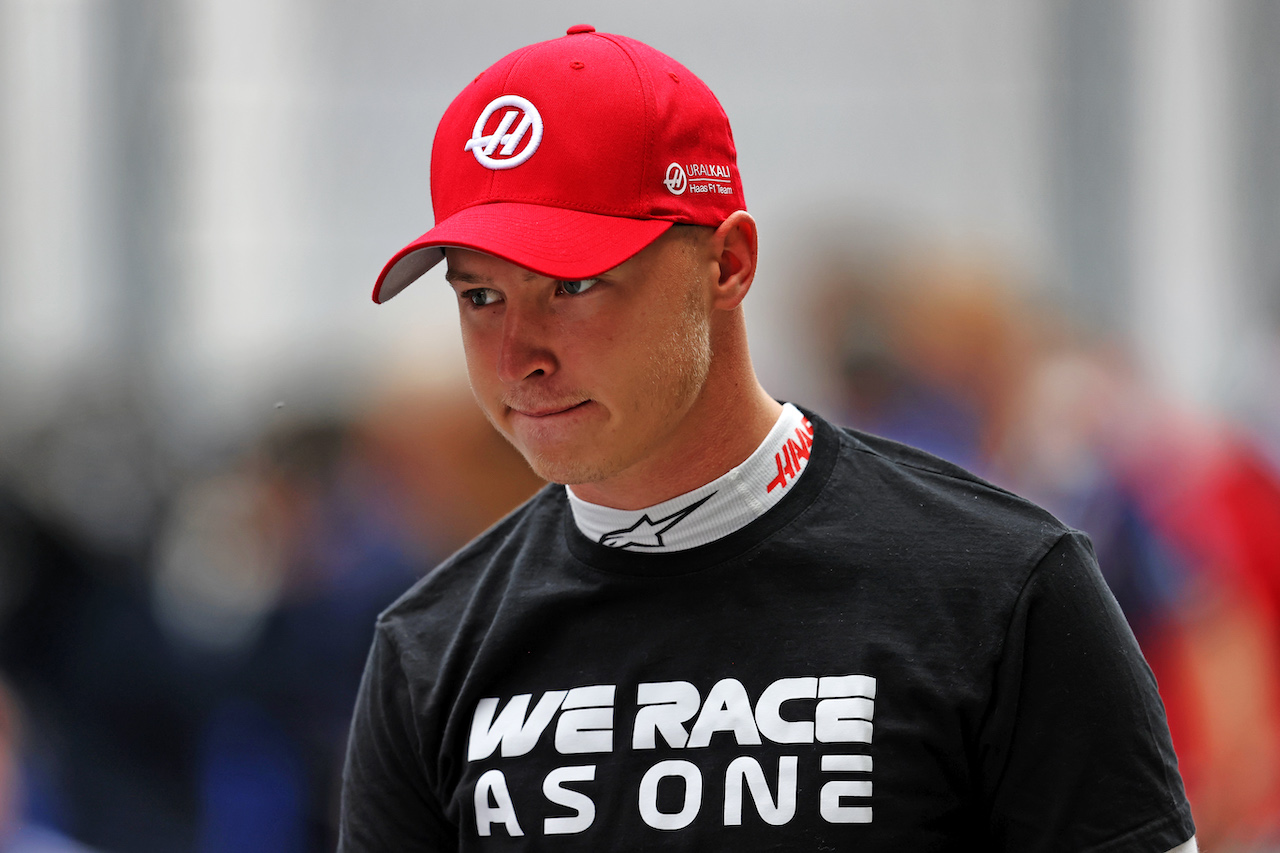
734	244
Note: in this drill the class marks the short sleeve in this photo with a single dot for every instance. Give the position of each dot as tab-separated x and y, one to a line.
386	802
1075	749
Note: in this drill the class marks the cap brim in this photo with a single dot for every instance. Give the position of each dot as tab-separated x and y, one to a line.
551	241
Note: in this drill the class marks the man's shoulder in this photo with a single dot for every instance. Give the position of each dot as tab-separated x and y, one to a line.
910	495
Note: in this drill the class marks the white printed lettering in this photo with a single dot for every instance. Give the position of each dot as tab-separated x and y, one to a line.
829	805
846	763
586	720
769	710
727	709
692	794
595	696
845	709
555	792
746	771
665	707
516	734
707	170
843	720
492	785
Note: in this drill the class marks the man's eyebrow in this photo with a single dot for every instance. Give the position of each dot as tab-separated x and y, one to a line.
458	276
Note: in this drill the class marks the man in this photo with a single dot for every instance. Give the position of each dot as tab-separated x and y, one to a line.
737	626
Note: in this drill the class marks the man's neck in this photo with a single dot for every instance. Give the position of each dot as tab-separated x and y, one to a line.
716	434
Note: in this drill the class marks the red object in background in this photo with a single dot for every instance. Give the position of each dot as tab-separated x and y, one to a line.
1218	659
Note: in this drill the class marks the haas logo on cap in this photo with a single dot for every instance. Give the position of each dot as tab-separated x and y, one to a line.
676	179
528	131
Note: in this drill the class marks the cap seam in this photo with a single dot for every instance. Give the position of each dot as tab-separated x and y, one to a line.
559	204
521	55
650	110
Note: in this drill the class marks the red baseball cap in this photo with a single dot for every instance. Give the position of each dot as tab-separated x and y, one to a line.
569	156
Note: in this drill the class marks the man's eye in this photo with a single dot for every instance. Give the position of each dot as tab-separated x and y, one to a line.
480	296
580	285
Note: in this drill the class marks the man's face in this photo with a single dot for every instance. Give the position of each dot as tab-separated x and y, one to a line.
588	379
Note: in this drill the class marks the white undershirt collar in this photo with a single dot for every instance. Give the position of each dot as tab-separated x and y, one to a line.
709	512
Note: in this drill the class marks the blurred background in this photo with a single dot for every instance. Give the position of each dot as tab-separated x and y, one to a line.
1037	238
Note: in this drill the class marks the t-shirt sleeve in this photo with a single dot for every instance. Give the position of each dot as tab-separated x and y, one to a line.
387	803
1075	749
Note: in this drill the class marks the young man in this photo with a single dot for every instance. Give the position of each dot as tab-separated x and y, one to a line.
735	626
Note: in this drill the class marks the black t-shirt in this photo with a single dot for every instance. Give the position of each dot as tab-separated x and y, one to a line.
898	656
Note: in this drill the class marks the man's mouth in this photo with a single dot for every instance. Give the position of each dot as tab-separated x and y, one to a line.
547	411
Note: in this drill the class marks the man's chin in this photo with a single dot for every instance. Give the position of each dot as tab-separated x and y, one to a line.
568	469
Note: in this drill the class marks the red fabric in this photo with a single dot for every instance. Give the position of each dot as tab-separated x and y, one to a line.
628	136
1222	513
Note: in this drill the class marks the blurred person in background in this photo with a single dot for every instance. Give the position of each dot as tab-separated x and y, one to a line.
333	521
1188	508
18	833
190	671
1183	509
78	504
924	346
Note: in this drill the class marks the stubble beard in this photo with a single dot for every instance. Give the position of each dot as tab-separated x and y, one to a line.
677	366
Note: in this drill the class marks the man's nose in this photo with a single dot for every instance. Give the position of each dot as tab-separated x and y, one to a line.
526	348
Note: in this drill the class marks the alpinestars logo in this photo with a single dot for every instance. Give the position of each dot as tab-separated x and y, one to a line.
647	533
484	146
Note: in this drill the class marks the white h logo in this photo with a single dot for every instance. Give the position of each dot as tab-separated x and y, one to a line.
483	146
676	180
